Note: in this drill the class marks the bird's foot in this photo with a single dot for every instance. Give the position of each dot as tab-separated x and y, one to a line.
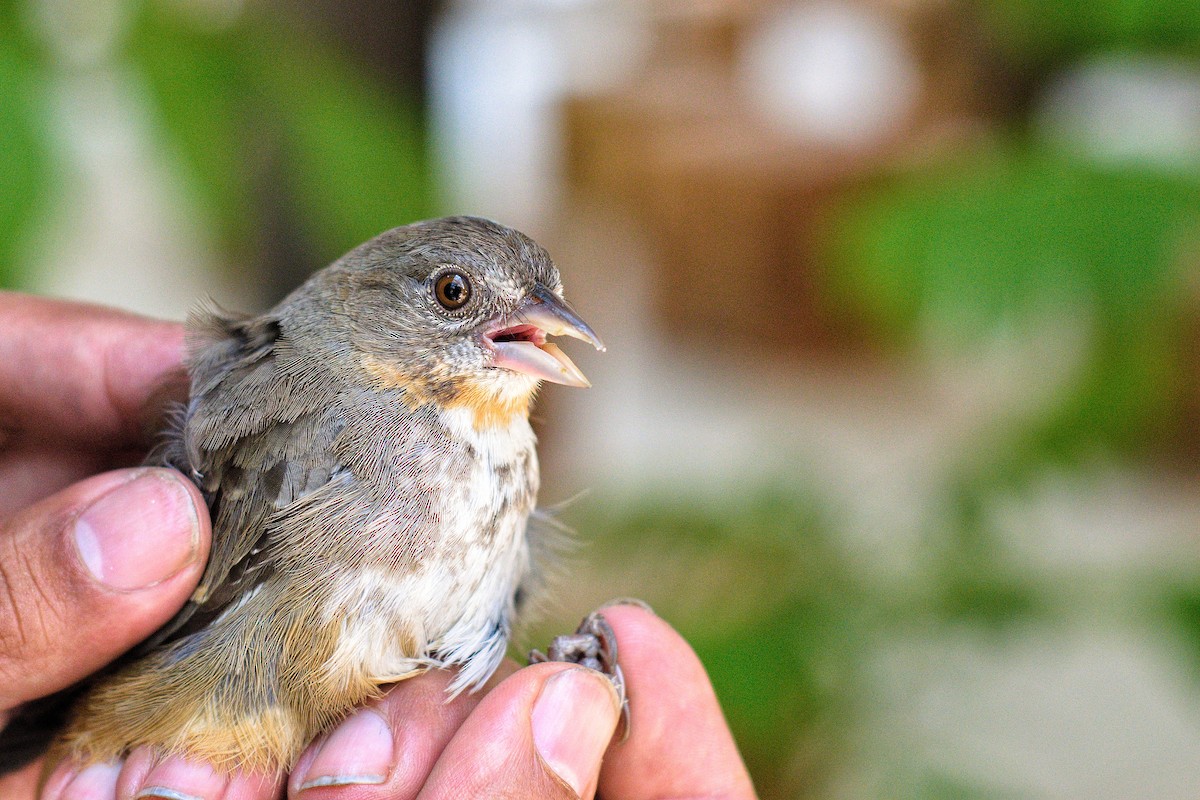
592	645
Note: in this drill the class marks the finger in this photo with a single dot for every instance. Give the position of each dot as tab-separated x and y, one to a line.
388	749
540	733
679	744
21	784
30	473
146	775
94	782
89	572
79	372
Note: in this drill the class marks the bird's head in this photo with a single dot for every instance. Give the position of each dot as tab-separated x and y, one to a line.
455	310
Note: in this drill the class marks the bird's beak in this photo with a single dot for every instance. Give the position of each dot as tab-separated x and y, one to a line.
520	343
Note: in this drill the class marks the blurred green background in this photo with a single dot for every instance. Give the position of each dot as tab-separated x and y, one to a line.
954	553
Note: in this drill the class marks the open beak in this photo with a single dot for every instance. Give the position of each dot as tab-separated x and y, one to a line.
520	345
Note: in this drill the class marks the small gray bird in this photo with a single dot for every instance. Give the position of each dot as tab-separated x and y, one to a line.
365	450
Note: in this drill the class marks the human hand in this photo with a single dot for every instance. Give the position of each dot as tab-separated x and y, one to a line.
544	731
90	564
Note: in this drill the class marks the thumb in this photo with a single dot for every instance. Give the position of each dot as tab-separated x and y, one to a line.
541	733
89	572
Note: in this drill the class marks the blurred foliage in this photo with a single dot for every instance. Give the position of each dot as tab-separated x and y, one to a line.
25	172
984	593
1012	232
1033	31
264	97
759	589
1177	603
997	239
942	787
265	118
785	619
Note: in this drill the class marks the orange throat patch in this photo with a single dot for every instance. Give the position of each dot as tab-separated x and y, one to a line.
490	408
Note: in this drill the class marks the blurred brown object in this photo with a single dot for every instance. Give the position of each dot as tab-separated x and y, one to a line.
735	207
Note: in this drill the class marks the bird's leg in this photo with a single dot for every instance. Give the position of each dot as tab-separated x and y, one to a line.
592	645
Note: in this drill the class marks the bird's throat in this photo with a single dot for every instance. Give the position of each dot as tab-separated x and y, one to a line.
493	404
490	409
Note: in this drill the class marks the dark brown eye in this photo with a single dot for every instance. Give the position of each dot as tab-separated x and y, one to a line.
452	290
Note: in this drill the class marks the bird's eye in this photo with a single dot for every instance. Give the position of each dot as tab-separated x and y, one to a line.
452	290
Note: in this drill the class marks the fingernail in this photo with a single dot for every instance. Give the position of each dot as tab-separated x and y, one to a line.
60	778
140	533
573	721
629	601
180	779
359	751
97	780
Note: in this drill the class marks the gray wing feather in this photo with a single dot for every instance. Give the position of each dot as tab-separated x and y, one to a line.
255	437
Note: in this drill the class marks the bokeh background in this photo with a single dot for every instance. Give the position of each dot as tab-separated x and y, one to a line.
898	422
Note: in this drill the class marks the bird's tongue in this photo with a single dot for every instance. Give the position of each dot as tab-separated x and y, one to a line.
543	361
522	347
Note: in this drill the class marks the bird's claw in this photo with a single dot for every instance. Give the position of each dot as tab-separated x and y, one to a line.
592	645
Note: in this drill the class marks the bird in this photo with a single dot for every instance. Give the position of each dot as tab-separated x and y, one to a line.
366	454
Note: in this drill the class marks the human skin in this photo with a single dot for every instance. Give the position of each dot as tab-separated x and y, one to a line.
95	555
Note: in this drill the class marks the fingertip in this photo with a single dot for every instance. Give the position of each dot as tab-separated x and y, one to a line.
24	781
177	778
573	720
147	775
643	637
149	527
134	770
359	751
675	718
103	564
93	782
637	602
59	779
542	732
420	717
